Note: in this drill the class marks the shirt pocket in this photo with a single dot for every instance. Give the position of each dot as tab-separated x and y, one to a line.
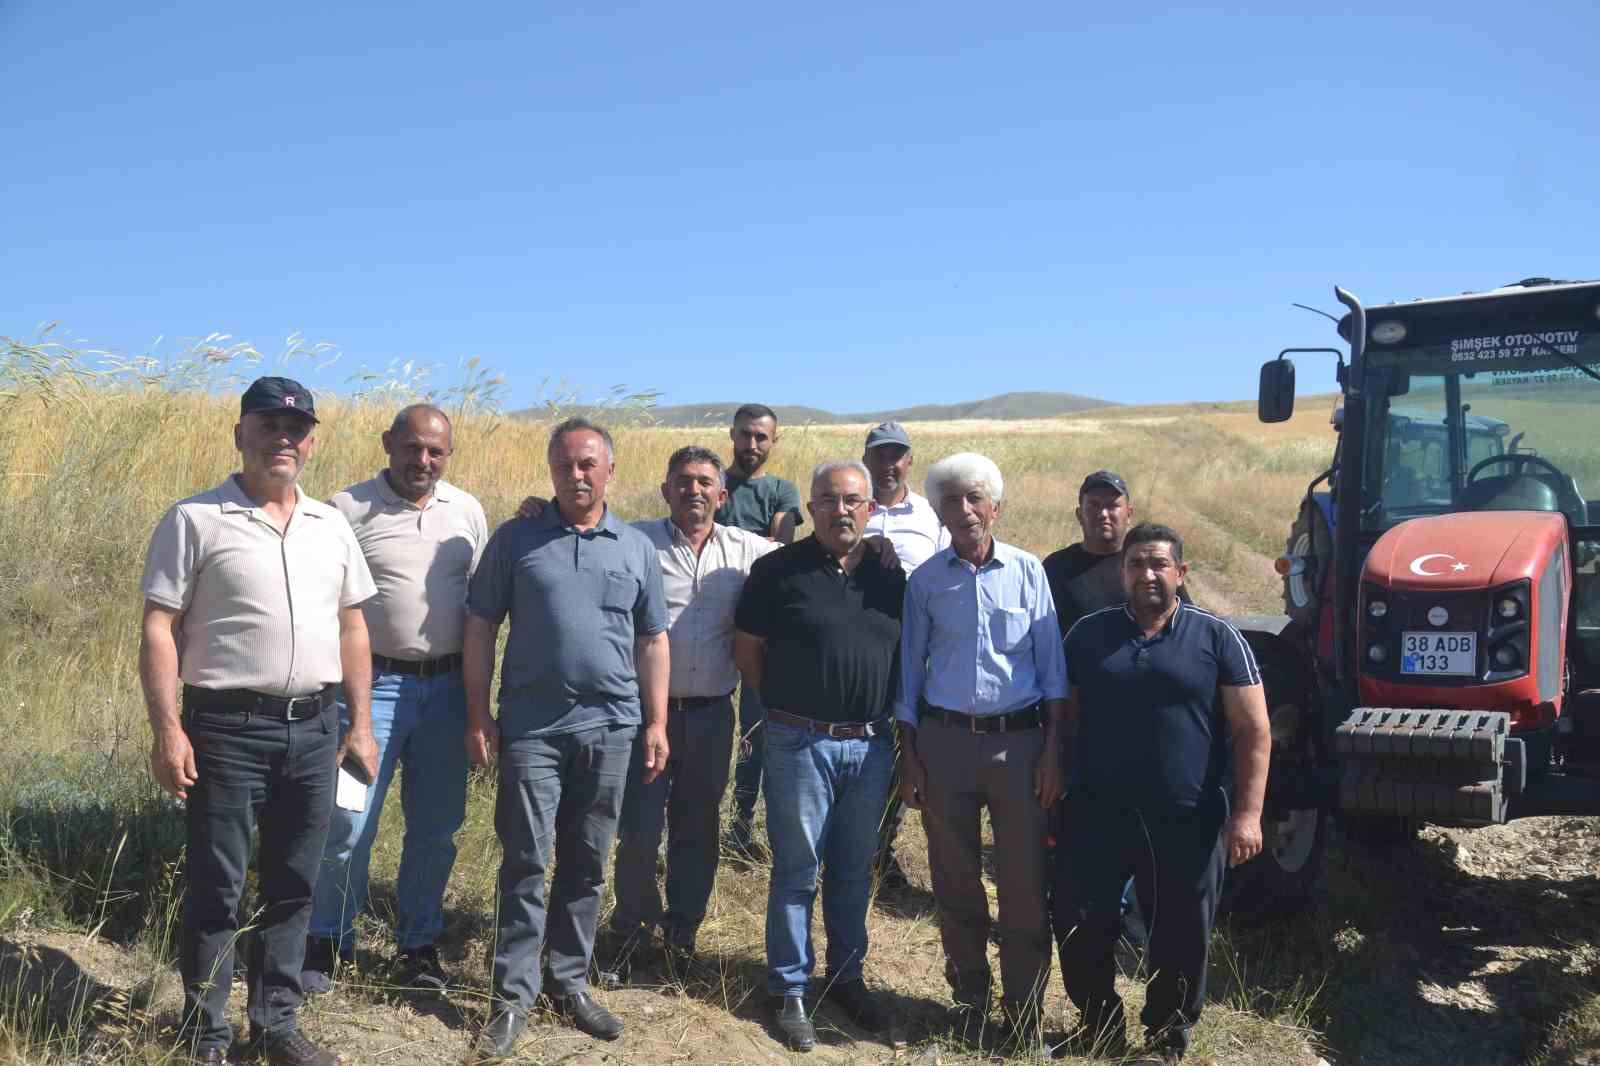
1010	630
619	591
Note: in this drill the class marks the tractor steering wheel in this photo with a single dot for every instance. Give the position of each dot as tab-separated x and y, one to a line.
1570	502
1522	459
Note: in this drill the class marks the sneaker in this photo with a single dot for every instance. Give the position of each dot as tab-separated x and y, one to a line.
418	970
323	957
863	1005
293	1049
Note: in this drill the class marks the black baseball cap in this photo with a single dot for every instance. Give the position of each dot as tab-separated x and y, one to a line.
1103	479
266	395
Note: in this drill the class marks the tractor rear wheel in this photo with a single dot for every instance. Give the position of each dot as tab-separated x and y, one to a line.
1282	878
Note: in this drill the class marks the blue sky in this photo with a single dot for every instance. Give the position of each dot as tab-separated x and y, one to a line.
850	206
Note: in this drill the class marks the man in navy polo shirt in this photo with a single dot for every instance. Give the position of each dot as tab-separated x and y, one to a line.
1159	687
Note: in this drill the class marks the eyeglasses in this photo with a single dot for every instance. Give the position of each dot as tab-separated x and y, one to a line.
836	503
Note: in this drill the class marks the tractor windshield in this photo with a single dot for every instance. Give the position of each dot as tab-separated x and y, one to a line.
1511	434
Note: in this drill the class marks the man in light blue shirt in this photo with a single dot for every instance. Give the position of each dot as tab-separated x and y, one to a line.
983	688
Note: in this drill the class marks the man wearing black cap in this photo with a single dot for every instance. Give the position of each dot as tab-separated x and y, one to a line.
1088	576
257	740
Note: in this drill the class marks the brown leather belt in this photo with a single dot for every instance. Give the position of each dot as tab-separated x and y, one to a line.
689	703
282	708
1010	722
445	664
837	730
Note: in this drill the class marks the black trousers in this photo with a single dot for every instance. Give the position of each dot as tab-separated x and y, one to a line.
1176	858
278	777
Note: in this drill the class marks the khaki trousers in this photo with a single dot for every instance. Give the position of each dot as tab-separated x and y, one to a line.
967	772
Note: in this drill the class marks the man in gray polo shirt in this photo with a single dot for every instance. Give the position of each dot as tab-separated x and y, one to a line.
421	537
258	739
703	569
586	659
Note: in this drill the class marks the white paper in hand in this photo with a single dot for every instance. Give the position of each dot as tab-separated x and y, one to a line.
351	794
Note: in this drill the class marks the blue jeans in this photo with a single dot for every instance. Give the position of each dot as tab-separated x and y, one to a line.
825	799
419	722
747	771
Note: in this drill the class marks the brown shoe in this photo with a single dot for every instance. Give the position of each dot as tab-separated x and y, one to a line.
294	1049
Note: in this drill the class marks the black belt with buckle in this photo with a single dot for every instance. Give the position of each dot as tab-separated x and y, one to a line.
281	708
837	730
1010	722
445	664
689	703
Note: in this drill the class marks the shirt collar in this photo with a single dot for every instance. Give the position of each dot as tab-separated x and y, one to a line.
609	523
234	500
997	555
1167	630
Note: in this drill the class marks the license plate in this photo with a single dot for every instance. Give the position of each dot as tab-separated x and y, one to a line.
1439	653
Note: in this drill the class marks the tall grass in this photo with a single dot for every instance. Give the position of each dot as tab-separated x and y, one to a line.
93	450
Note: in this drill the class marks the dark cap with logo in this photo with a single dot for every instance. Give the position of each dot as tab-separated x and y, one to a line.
1104	479
888	433
267	395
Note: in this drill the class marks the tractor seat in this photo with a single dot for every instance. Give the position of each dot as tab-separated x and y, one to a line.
1525	492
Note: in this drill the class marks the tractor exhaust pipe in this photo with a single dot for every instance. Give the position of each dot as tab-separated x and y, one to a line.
1347	551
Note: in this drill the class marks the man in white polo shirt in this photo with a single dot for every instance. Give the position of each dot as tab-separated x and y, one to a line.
252	599
911	525
703	569
421	537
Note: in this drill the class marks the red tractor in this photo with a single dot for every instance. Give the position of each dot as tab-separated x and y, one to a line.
1439	658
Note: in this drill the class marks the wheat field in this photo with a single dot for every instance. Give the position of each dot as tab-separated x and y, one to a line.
90	852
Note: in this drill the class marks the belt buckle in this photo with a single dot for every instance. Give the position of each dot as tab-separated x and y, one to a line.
294	701
831	727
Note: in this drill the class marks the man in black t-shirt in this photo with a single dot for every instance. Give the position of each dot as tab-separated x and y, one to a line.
1088	575
817	630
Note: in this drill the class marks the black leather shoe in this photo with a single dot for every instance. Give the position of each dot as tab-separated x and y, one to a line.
1106	1039
588	1016
789	1018
293	1049
499	1037
861	1004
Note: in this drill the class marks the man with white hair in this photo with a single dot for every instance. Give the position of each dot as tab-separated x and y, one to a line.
983	688
816	632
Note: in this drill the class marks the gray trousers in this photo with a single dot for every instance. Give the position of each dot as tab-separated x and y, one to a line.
967	772
686	800
564	791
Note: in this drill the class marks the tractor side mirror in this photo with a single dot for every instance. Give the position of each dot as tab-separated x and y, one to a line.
1275	402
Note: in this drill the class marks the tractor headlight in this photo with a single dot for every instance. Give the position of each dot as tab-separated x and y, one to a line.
1505	656
1377	609
1378	653
1508	607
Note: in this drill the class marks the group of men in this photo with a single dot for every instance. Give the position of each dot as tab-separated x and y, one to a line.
900	654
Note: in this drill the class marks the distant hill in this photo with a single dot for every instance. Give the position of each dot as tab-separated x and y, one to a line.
1008	405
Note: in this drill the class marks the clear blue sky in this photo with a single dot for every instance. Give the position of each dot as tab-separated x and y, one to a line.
811	203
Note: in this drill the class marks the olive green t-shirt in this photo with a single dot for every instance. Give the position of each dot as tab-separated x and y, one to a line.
753	504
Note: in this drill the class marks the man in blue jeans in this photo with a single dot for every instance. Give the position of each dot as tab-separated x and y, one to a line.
421	537
816	630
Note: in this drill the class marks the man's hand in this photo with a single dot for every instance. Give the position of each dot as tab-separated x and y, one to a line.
360	745
482	740
1242	837
172	762
532	507
913	781
1047	777
656	752
883	548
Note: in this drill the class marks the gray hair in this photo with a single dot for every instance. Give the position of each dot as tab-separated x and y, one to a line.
578	423
407	415
692	453
833	466
967	470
